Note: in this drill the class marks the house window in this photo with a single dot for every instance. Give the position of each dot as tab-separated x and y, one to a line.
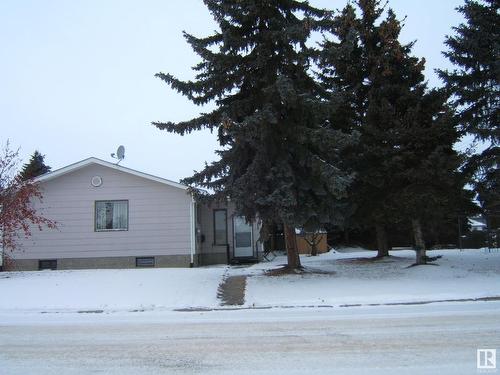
47	264
220	227
145	262
111	215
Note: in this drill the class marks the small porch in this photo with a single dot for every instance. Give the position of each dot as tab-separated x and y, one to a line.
223	237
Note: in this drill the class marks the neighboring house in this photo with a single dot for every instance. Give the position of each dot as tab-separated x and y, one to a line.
477	224
110	216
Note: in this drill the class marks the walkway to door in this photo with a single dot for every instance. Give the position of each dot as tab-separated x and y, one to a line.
231	291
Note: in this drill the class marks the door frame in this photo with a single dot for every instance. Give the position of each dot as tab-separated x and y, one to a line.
252	256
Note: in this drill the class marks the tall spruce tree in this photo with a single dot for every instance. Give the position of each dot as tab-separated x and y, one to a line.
279	158
35	167
402	125
474	50
342	73
378	74
430	186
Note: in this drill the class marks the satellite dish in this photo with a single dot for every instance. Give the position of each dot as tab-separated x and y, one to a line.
120	154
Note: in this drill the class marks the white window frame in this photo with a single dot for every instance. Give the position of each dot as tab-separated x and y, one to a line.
115	229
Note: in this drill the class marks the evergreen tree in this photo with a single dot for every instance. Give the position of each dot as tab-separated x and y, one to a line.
342	73
377	75
430	186
35	167
278	158
474	83
402	125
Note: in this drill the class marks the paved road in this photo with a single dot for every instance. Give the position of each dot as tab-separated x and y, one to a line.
434	339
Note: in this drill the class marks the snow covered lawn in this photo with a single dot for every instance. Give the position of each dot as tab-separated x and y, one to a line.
109	290
349	278
335	279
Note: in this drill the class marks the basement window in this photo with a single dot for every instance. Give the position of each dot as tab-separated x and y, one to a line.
47	264
145	262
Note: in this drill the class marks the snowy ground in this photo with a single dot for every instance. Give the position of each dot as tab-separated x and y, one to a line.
339	278
109	290
333	279
124	321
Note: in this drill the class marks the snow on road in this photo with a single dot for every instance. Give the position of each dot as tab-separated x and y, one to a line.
427	339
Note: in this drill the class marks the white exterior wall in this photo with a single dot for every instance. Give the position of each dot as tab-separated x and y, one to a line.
159	217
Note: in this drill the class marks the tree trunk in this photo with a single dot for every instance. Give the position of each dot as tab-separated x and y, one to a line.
292	251
347	239
273	240
419	242
314	246
382	245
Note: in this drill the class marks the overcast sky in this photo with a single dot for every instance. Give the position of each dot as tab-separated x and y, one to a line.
77	77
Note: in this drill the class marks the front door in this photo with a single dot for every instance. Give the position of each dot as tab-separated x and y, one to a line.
243	238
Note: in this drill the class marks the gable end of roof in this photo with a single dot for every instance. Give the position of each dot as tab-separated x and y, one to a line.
89	161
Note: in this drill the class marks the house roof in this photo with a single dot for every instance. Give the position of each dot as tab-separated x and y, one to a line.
83	163
476	223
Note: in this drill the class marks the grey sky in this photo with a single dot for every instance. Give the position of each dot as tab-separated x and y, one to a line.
77	77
